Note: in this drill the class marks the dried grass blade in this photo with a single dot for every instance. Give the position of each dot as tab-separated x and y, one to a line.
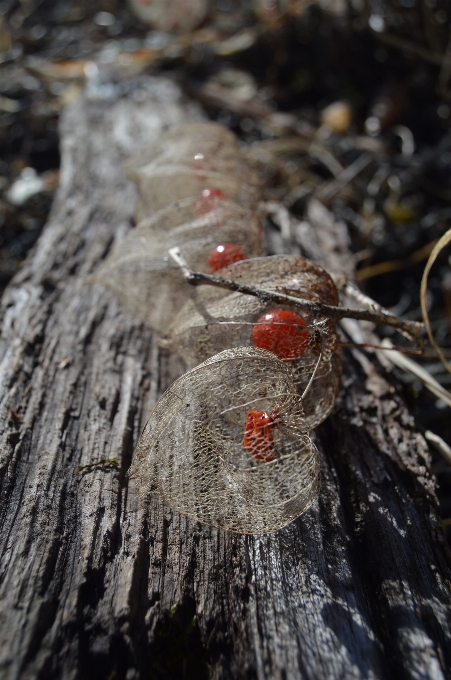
440	444
442	243
409	365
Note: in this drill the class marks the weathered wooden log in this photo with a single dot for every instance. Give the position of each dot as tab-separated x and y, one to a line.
97	584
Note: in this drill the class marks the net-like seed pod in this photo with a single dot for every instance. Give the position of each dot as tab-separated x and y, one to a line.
184	142
187	160
199	211
142	276
216	319
227	444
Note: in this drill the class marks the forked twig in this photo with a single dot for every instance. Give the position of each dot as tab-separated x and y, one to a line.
410	328
112	462
351	291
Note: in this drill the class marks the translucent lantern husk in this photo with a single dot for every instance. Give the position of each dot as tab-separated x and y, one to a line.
184	142
217	319
192	449
144	279
198	211
187	160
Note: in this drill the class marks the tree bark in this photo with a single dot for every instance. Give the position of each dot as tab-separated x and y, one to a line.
95	583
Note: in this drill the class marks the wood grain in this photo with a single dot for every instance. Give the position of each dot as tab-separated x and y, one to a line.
97	584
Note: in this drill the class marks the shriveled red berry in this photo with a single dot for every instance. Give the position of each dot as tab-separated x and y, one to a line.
207	200
258	438
283	333
224	255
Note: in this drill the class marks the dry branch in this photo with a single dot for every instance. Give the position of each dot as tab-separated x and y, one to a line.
410	328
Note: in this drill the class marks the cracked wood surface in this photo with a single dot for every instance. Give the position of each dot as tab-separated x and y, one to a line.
97	584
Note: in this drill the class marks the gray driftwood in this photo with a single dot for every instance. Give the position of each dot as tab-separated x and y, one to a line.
96	585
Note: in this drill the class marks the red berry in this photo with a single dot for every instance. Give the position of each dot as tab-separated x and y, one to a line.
213	193
258	436
224	255
281	332
208	200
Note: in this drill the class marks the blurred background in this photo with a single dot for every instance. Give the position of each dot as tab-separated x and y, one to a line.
345	100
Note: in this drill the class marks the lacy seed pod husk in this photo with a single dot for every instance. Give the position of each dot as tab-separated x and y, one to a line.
215	319
227	445
187	160
195	212
145	280
183	142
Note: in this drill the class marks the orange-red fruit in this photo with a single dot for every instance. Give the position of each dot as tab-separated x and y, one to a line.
224	255
283	333
207	201
258	436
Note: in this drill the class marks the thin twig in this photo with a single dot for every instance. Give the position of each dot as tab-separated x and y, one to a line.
312	377
327	191
218	96
409	47
395	265
412	328
356	294
367	345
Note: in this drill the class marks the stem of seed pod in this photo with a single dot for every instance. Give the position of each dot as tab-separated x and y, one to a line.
410	328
